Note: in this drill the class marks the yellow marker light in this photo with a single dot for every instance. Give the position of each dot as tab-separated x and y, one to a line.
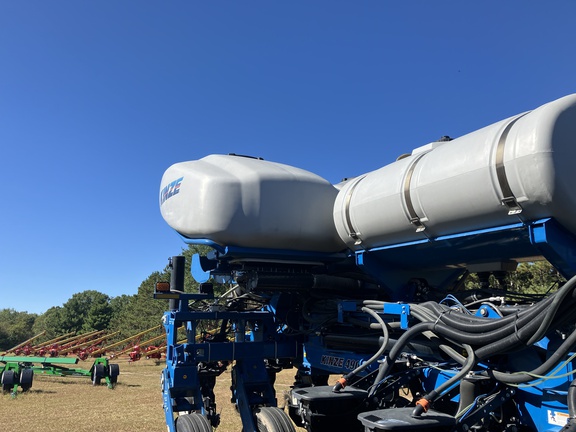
162	286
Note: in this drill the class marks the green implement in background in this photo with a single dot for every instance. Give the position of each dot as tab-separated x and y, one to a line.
19	371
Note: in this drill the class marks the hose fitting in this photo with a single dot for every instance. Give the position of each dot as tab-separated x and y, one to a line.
342	382
422	406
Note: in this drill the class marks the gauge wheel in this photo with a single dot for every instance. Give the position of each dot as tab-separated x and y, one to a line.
193	423
272	419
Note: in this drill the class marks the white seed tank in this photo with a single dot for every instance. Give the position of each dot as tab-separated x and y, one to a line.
521	168
240	201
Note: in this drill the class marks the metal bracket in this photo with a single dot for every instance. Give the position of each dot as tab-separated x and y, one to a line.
400	309
418	224
513	207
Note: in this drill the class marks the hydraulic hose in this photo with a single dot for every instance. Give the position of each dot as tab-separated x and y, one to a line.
556	303
402	342
452	353
571	424
371	325
491	336
475	324
448	333
483	339
513	331
518	338
464	332
480	330
423	404
524	336
572	399
551	304
344	380
465	328
543	369
395	351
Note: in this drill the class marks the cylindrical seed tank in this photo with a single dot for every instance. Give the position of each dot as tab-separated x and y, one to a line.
241	201
519	168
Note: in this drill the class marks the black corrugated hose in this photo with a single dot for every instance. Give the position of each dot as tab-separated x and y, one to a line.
571	424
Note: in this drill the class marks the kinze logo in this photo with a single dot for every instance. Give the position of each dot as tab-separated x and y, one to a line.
170	190
339	362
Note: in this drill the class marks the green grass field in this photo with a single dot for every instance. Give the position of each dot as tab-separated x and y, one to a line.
69	404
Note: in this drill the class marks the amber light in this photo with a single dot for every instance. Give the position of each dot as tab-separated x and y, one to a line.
162	286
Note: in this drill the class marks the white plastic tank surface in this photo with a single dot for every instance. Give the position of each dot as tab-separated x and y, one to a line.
521	168
241	201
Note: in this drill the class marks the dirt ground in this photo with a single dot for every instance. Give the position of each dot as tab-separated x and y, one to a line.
66	404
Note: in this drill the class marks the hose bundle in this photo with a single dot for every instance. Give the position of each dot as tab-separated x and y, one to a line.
490	337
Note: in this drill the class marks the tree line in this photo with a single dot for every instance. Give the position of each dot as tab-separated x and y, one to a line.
131	314
92	310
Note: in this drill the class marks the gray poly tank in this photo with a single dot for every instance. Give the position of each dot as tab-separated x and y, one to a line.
240	201
519	168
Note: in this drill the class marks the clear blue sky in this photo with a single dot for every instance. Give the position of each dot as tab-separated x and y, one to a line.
98	98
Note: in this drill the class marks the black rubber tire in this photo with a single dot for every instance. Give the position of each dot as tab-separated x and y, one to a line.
113	372
193	423
113	369
98	373
8	380
272	419
26	378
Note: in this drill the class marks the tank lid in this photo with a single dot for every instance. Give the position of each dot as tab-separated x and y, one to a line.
428	147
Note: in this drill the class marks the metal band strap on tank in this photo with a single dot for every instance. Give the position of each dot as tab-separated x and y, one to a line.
412	215
351	231
508	198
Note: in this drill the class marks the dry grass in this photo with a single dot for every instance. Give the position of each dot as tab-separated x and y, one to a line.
72	404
